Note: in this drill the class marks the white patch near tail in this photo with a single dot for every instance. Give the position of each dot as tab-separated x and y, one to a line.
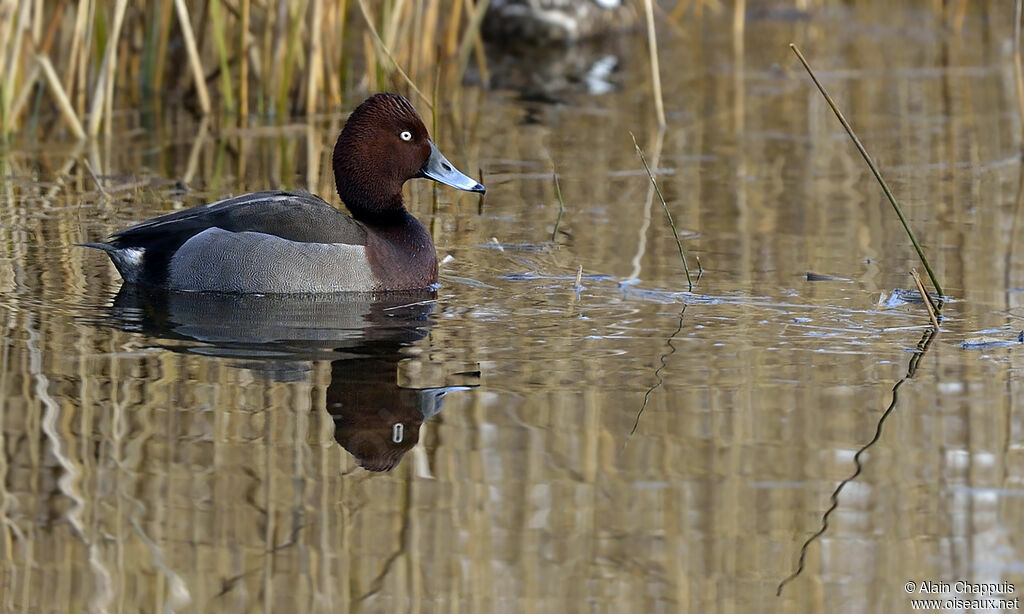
128	262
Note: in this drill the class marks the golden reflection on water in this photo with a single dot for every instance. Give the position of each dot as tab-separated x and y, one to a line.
159	456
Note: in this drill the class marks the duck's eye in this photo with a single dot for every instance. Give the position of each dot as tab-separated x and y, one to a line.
405	135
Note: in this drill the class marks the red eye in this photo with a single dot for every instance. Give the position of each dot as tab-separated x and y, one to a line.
405	135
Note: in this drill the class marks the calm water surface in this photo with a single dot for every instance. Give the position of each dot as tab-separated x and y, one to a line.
617	446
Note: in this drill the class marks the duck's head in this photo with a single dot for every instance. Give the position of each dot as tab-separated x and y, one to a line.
383	144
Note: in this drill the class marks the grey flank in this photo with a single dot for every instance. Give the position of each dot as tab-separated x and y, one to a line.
248	262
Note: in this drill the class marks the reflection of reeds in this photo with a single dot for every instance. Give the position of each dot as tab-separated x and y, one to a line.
652	45
273	58
915	359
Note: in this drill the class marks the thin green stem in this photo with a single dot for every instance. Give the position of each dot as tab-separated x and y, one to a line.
874	169
561	206
668	214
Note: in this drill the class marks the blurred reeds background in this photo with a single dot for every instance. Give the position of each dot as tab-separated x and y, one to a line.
269	59
243	57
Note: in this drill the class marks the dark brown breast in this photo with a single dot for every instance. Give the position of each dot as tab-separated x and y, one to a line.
402	255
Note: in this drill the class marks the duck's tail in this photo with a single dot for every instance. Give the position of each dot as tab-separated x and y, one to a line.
107	247
128	260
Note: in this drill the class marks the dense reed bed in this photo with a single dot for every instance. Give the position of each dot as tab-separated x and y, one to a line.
243	57
79	62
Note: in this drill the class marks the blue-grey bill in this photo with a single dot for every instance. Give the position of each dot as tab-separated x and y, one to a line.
441	170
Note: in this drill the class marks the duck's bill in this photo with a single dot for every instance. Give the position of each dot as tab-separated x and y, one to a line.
441	170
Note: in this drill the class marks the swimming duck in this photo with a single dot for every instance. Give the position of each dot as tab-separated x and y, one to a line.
294	242
564	21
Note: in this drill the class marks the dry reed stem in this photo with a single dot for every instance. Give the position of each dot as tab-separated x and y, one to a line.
391	31
6	31
387	52
193	55
108	93
243	62
468	40
12	61
739	17
37	21
51	31
266	51
104	82
63	103
315	61
473	32
278	51
74	47
561	206
221	43
286	54
24	93
928	304
95	177
333	72
429	45
415	35
652	44
481	59
1017	73
371	75
451	42
82	88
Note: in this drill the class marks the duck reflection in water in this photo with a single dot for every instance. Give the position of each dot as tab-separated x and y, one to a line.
375	419
365	336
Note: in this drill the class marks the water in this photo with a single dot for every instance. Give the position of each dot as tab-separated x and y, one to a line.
621	445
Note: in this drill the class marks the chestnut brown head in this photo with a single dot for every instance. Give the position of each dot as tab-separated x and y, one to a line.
383	144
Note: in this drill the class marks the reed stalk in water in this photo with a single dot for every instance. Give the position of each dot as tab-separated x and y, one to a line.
873	167
561	205
933	310
668	214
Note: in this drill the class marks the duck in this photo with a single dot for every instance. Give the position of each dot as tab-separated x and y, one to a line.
539	22
277	242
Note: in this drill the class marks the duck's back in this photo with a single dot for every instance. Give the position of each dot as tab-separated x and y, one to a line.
298	216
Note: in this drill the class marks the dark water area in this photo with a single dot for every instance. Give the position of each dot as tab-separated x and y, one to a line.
518	440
